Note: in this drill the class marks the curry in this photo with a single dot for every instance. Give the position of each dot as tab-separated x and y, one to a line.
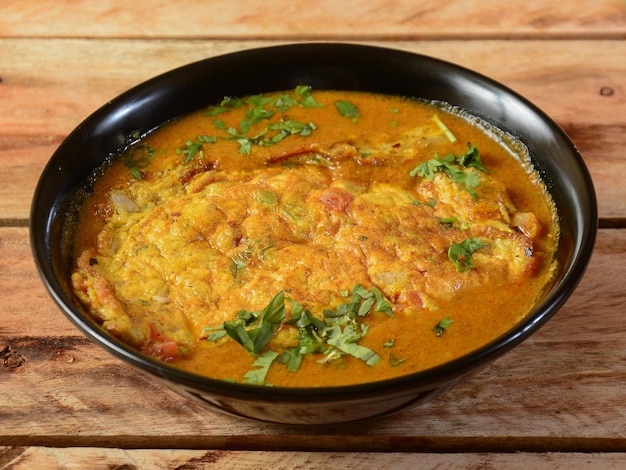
315	238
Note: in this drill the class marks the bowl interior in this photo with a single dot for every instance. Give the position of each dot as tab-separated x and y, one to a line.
108	131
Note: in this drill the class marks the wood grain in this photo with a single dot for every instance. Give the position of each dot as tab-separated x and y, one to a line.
317	19
561	390
19	458
57	83
554	402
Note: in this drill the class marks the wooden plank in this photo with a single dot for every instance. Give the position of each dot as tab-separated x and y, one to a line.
286	19
27	458
56	83
561	390
26	308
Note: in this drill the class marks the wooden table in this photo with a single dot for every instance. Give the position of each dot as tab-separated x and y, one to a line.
557	401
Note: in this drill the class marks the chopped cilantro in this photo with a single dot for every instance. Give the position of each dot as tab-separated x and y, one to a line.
139	157
395	361
292	127
254	330
338	333
190	149
347	109
214	333
255	115
292	358
220	124
260	108
284	102
382	304
237	267
444	324
308	101
346	341
456	167
207	139
471	158
263	362
461	253
215	110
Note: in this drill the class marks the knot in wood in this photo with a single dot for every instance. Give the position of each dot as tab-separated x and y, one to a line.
11	359
607	91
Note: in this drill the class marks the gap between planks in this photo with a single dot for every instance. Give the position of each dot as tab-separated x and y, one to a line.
330	442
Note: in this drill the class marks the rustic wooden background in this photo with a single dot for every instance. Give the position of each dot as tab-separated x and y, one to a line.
557	401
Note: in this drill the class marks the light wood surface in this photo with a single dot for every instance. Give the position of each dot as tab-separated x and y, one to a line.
557	401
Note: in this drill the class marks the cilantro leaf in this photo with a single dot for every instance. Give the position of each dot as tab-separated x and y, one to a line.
346	341
268	321
456	167
263	362
461	253
471	158
275	310
395	361
292	358
190	150
308	101
284	102
258	100
237	331
440	327
347	109
214	333
292	127
231	102
257	114
226	105
382	304
220	124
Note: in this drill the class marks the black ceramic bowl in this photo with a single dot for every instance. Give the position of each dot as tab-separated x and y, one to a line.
338	66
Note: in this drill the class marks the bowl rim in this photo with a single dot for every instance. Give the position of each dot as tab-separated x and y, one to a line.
40	228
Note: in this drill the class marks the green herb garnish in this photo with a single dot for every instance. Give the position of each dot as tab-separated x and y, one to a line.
461	253
237	267
254	330
263	362
338	333
308	101
471	158
395	361
262	108
347	109
440	327
139	157
448	133
345	340
193	148
456	166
